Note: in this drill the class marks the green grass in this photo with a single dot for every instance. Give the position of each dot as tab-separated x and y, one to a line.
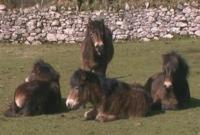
133	61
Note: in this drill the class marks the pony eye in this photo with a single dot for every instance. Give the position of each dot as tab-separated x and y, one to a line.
76	88
82	86
79	87
91	33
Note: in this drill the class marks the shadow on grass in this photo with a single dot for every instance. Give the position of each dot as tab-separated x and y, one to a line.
63	108
194	103
123	76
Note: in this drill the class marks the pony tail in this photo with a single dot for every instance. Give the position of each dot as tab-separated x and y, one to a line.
184	67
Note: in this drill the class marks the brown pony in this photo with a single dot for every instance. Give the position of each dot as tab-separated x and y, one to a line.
111	99
97	48
40	94
169	88
42	71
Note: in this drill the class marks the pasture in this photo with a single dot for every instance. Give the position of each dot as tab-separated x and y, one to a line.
132	62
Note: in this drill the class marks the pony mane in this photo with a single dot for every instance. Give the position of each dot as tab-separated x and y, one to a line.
107	85
41	64
83	75
94	24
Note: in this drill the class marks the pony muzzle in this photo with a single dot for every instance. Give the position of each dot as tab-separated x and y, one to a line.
167	84
99	47
27	79
71	103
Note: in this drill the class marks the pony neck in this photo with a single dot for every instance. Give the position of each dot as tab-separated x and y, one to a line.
89	42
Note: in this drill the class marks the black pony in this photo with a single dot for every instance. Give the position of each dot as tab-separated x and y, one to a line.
170	88
39	94
97	48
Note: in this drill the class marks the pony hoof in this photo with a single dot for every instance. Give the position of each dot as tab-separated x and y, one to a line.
100	118
88	116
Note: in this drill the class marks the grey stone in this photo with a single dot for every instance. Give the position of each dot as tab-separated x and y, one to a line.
51	37
119	22
183	33
169	36
53	8
155	38
55	23
180	6
69	31
187	10
154	29
197	19
27	43
145	39
197	33
151	19
36	43
175	30
61	37
2	7
181	24
1	36
30	39
31	25
2	12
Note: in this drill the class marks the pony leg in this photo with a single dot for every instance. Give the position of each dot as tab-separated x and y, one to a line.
91	114
12	111
104	117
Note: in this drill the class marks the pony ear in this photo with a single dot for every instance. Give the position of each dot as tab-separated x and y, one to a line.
89	20
82	74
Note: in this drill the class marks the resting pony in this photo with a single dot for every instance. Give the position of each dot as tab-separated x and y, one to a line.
169	88
39	94
111	99
42	71
97	48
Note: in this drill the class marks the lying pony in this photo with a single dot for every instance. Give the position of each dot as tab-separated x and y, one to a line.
39	94
111	99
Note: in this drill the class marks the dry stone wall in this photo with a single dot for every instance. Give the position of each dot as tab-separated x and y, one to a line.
37	26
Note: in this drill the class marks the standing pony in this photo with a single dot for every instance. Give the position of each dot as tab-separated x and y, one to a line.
39	94
169	88
111	99
97	48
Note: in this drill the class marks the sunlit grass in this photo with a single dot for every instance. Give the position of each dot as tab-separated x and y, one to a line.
132	62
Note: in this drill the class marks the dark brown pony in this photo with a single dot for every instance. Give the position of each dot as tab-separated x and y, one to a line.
111	99
97	48
169	88
42	71
40	94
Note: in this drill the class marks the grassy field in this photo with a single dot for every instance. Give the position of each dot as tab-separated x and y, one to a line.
132	62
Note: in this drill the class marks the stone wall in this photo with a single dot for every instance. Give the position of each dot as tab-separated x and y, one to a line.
36	26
